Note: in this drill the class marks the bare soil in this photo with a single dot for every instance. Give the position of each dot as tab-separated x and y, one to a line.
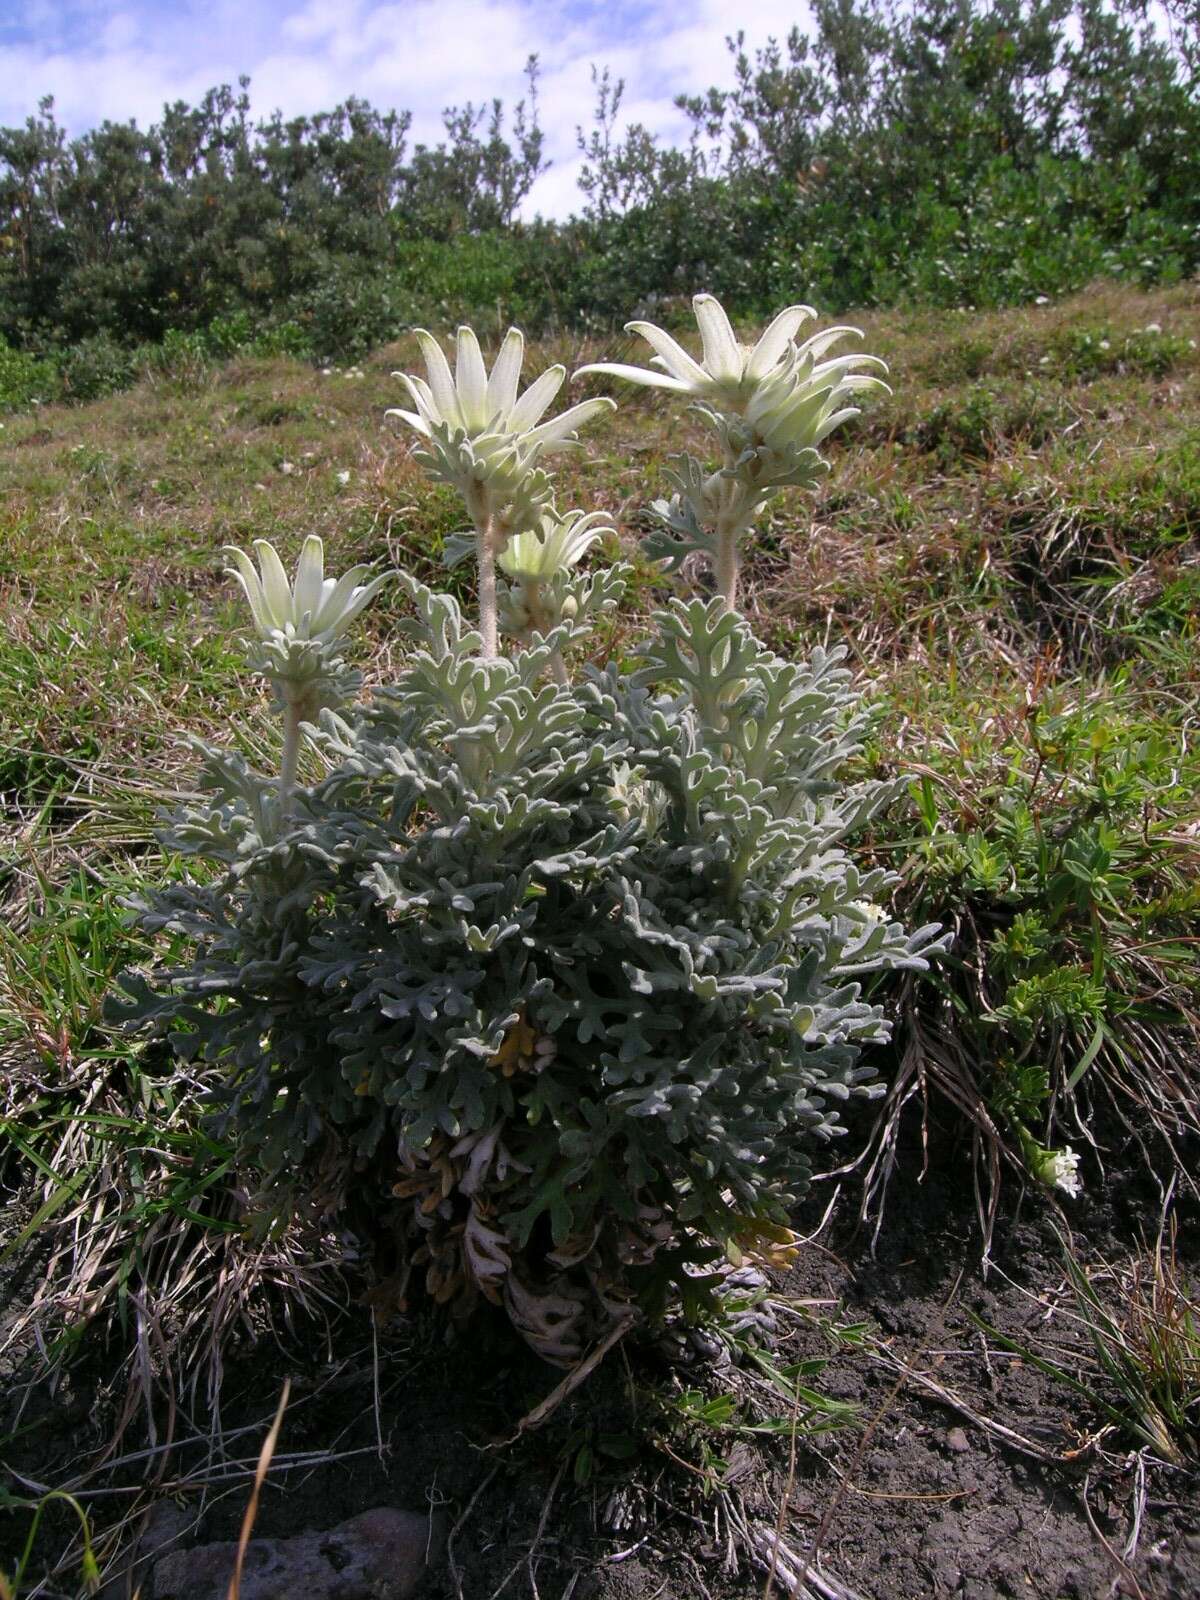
969	1472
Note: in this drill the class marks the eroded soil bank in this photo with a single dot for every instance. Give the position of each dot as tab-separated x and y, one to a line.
966	1470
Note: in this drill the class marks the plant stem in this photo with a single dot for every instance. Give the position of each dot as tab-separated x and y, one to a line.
293	716
486	548
540	623
731	523
727	562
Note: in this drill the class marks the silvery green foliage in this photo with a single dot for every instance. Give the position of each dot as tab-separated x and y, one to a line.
574	600
688	522
551	987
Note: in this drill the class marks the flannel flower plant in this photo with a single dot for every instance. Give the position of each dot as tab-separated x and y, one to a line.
548	986
486	443
298	626
770	404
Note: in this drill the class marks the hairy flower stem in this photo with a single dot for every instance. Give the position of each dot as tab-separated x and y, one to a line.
733	519
296	709
487	592
484	518
727	562
540	622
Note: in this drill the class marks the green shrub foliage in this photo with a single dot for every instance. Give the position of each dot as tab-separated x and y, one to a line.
549	986
952	152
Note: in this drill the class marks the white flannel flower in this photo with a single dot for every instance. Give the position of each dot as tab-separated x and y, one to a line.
314	607
469	406
786	393
558	544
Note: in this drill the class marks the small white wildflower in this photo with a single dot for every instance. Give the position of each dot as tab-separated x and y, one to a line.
1064	1171
1152	327
343	477
1104	345
1057	1169
327	372
1044	362
287	468
1042	300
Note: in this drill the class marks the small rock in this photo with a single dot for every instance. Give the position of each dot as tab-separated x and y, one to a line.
166	1524
378	1555
957	1441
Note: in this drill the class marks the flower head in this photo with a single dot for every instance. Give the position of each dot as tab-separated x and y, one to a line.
471	406
1057	1169
787	394
314	607
556	545
1062	1171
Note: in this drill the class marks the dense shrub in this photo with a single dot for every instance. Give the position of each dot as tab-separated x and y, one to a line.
945	152
24	379
96	366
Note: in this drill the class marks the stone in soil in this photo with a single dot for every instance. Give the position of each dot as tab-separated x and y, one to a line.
166	1525
378	1555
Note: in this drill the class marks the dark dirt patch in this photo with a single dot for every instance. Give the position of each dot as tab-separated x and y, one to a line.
928	1501
920	1498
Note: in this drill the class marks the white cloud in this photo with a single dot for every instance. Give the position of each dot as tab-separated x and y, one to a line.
103	60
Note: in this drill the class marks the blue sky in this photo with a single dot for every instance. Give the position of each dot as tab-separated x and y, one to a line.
102	58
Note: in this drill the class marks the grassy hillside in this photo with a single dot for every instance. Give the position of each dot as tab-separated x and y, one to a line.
1030	494
1009	547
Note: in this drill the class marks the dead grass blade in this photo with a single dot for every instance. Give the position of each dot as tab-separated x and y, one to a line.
260	1477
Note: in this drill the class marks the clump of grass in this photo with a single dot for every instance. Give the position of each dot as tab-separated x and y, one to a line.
129	1207
1140	1354
89	1571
